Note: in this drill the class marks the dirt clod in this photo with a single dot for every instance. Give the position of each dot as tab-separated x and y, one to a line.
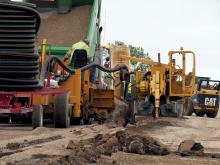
186	145
137	142
137	147
70	145
191	148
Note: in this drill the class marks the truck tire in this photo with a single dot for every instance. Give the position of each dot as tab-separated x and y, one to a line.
190	109
212	114
37	116
199	113
87	121
75	121
61	111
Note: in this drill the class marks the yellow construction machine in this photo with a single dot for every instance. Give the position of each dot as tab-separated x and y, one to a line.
164	89
47	84
205	100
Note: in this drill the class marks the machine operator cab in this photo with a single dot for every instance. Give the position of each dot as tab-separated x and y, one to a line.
209	85
205	84
181	73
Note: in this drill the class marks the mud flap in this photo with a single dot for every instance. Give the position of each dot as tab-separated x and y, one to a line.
167	110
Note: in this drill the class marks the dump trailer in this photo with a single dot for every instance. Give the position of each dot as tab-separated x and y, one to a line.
63	30
43	82
205	100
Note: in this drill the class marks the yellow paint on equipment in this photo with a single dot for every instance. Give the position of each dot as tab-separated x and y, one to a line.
144	87
43	57
117	54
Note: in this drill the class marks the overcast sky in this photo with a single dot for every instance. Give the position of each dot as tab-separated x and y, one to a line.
163	25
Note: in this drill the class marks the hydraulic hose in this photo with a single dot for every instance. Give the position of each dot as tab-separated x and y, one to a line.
108	70
47	63
72	71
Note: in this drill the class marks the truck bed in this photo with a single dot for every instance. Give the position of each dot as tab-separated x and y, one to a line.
65	29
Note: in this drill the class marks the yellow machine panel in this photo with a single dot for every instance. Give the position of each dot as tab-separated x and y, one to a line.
117	54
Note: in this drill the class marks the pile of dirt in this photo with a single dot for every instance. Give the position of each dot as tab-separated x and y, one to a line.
41	130
91	150
65	29
140	145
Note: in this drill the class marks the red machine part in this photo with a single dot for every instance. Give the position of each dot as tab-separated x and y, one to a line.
10	106
5	101
7	106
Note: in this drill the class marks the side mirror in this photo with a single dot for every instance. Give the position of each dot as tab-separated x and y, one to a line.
107	59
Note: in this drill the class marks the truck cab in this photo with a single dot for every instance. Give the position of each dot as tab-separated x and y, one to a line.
205	99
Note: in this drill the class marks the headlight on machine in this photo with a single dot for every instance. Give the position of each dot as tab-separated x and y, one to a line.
195	100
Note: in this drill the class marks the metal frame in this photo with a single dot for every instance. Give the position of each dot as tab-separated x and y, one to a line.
43	96
185	90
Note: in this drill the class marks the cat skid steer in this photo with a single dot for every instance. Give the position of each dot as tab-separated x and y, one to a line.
205	101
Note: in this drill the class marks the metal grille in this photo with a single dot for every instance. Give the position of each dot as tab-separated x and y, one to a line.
18	60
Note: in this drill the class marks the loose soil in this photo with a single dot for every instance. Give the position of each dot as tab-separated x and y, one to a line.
65	29
149	142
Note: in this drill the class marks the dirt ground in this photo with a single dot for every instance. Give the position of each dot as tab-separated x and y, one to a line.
21	145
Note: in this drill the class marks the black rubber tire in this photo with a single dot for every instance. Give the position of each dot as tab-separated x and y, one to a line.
37	116
75	121
4	119
27	118
61	111
87	121
190	109
199	113
212	114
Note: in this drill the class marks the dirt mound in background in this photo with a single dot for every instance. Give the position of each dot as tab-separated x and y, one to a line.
64	29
